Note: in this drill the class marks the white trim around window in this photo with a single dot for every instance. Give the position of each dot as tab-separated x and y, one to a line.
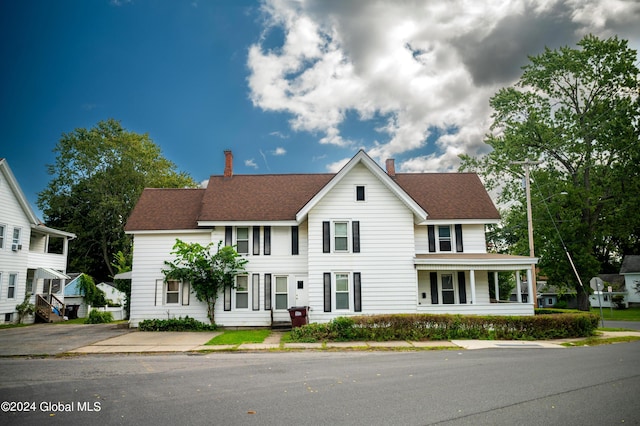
174	292
241	292
12	286
281	292
342	291
3	234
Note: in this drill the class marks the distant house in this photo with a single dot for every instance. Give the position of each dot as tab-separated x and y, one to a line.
33	257
619	287
630	270
77	306
361	241
549	296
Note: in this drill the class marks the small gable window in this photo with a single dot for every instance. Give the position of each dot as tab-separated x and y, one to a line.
360	193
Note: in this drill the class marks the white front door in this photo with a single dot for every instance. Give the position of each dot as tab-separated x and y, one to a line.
301	291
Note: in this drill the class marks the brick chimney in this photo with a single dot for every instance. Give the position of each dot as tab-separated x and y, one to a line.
391	167
228	164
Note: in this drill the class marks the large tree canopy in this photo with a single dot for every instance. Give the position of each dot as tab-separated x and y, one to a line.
577	111
97	178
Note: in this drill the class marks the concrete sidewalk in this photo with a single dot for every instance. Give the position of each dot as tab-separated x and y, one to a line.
158	342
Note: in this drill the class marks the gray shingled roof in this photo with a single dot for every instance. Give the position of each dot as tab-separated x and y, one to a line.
630	264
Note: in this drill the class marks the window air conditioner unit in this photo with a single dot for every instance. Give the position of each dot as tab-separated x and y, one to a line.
14	247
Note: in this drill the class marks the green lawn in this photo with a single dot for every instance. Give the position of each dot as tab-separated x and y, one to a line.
238	337
631	314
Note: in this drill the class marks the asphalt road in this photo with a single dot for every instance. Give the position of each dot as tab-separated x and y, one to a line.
573	386
53	339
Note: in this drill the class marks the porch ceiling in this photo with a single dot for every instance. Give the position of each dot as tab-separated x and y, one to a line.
475	261
49	274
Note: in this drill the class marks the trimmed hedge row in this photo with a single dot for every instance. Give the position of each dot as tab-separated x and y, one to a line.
175	324
417	327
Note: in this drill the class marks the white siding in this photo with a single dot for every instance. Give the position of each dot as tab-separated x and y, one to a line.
150	252
12	262
473	239
385	260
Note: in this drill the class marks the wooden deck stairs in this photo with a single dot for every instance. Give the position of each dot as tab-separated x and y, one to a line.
49	311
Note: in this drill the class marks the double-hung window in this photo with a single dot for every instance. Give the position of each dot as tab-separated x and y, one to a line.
176	292
444	238
172	292
341	236
281	293
342	291
2	232
11	290
242	240
16	237
242	292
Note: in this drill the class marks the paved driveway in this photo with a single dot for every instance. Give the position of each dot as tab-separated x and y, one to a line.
52	339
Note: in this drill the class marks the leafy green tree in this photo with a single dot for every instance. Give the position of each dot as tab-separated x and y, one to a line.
93	296
97	178
208	273
578	112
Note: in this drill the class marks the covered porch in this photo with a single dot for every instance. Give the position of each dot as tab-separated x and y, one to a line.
459	283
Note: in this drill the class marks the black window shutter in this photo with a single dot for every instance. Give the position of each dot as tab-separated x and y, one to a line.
267	240
256	240
327	292
255	292
357	292
433	277
355	229
227	298
326	237
267	292
462	289
228	236
459	247
432	238
295	248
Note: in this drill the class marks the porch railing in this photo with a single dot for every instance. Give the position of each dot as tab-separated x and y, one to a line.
49	311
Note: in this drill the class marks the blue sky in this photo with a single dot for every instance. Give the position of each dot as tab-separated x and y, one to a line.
289	86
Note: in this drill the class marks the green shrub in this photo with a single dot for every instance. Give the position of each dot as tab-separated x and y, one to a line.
25	308
560	304
418	327
175	324
98	317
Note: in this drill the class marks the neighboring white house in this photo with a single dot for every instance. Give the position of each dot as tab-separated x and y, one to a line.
361	241
33	257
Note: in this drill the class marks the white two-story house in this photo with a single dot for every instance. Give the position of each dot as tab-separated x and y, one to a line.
33	257
362	241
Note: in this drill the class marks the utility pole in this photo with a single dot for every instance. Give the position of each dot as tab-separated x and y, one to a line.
526	164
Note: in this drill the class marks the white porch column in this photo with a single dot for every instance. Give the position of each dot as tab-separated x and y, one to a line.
518	287
530	292
472	283
495	285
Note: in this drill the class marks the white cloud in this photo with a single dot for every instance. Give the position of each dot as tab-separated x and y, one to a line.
279	151
420	66
251	163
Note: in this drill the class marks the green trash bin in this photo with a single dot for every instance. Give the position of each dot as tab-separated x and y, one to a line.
299	316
